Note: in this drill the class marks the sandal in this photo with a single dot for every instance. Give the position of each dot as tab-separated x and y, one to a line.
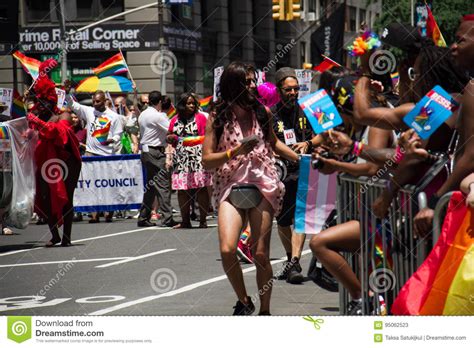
6	231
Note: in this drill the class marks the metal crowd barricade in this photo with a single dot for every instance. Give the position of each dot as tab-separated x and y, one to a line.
383	281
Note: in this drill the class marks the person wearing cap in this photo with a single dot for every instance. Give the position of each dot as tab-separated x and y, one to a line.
291	127
463	53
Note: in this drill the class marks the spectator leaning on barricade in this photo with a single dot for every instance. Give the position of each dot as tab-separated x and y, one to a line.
154	126
290	127
463	53
97	117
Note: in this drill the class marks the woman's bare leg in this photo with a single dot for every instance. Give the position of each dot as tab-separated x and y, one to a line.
229	224
326	247
261	219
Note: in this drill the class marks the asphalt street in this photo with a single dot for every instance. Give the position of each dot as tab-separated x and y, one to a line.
120	269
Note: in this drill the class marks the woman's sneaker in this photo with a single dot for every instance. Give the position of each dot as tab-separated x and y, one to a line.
244	252
244	309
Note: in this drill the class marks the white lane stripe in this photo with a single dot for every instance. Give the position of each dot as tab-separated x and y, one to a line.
98	237
129	259
180	290
64	261
91	238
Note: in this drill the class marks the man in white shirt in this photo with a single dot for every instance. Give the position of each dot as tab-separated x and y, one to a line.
154	126
104	130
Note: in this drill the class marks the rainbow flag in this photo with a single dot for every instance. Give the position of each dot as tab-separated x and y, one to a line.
204	103
30	65
395	78
315	198
112	66
171	112
4	133
326	64
444	283
18	107
192	140
432	29
102	133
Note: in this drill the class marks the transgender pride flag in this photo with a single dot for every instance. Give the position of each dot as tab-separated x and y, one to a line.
315	199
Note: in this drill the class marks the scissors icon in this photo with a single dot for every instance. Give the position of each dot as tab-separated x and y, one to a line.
316	322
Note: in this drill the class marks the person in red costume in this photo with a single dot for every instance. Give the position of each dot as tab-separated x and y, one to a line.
57	157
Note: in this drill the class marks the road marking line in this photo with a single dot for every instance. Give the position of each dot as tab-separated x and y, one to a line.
180	290
129	259
64	261
91	238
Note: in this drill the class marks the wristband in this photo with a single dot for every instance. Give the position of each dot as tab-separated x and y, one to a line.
229	154
357	148
399	154
433	201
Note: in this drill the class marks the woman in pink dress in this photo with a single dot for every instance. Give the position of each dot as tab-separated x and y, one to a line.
237	116
189	177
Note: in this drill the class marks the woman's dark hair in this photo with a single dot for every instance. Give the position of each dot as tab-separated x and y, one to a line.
233	90
165	102
437	67
329	77
183	99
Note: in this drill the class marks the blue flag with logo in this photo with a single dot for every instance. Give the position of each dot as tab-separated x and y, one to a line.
430	112
320	111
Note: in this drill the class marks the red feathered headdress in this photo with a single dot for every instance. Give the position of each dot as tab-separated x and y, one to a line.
45	88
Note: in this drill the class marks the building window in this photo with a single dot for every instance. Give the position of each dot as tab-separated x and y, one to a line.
75	10
38	10
352	18
230	15
362	14
204	14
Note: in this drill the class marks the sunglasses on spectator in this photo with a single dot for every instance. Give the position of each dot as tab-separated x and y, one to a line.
248	82
289	89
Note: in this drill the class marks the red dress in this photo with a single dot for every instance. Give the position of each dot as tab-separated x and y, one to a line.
57	146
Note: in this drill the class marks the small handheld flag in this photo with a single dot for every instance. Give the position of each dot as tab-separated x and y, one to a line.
112	66
30	65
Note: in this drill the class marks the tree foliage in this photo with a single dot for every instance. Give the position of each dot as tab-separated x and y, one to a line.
446	12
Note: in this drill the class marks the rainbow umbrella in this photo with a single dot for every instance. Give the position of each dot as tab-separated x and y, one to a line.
109	83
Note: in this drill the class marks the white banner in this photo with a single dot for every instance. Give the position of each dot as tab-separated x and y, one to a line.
109	183
217	79
6	97
304	80
61	97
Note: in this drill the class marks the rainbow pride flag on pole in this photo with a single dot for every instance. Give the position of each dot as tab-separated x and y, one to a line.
326	64
444	283
171	111
30	65
315	198
204	103
432	29
112	66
